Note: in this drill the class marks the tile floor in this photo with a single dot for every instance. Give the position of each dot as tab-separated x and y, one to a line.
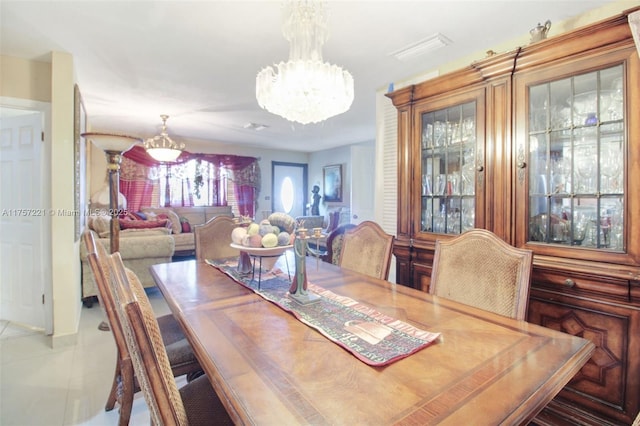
63	386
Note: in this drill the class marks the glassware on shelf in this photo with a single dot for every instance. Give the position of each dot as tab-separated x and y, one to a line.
439	133
561	174
559	231
610	168
586	168
441	184
427	136
591	119
448	176
586	106
426	184
579	232
453	184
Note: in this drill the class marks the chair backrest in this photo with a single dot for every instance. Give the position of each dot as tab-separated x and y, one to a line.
213	239
477	268
148	353
333	222
98	259
334	243
367	249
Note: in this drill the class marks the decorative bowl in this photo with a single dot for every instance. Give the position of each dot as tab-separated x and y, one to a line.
262	251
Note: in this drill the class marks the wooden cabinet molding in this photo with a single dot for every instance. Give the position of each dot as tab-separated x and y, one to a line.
584	291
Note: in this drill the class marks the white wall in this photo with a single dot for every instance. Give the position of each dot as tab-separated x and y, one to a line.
53	82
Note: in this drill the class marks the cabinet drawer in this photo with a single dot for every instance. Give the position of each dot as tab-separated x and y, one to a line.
577	283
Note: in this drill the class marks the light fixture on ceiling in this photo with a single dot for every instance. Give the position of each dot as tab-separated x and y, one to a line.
305	89
161	147
255	126
634	23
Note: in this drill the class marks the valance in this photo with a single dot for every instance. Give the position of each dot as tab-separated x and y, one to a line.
232	162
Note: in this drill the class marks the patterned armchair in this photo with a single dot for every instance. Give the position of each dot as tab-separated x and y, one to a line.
334	243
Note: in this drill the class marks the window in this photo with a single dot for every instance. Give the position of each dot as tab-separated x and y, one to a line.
193	183
196	180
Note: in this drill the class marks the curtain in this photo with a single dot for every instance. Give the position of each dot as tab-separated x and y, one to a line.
135	184
246	182
209	179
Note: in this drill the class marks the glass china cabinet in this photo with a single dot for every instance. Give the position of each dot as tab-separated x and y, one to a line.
448	178
576	160
540	145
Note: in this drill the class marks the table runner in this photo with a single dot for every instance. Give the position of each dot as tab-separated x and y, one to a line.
373	337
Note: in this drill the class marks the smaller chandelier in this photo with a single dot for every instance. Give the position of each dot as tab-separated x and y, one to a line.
305	89
161	147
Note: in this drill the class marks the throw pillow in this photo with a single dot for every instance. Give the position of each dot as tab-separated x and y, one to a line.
142	224
140	215
167	212
186	226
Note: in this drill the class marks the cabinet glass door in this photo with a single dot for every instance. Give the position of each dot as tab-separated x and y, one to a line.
576	164
448	175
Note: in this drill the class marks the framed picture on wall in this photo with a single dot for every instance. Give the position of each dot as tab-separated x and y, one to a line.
79	160
332	177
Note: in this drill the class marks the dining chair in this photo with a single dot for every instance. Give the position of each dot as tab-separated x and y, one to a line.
124	385
334	243
478	268
367	249
213	239
196	403
333	222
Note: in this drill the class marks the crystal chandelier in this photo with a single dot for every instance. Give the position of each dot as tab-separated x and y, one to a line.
305	89
161	147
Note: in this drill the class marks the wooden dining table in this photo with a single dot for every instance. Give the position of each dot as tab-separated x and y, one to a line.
269	368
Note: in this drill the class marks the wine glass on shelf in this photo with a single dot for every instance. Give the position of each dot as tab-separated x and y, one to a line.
426	184
586	168
610	167
441	184
560	174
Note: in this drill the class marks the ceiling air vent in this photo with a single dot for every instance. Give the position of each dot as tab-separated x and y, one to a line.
255	126
429	44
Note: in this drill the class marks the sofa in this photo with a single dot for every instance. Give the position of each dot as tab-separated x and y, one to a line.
147	237
183	220
139	250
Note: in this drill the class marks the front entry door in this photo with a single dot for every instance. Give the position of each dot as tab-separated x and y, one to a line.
289	191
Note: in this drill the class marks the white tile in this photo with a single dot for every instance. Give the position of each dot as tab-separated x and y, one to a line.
68	385
33	390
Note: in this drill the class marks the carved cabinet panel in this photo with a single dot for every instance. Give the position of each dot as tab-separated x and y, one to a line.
602	384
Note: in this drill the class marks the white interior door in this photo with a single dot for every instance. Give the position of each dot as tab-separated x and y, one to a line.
289	191
22	218
363	167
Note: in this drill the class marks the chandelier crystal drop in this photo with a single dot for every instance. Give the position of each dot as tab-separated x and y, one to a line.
305	89
161	147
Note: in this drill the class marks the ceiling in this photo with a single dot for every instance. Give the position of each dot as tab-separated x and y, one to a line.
196	61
